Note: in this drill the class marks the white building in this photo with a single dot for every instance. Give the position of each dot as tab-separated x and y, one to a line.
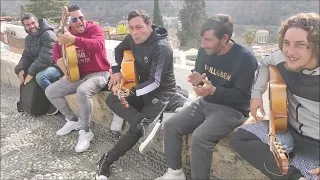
262	36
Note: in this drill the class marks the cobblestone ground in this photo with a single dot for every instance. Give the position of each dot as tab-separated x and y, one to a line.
31	150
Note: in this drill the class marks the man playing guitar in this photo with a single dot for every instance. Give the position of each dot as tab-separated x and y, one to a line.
93	68
298	63
154	65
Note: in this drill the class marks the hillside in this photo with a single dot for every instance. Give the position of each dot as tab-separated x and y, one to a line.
258	13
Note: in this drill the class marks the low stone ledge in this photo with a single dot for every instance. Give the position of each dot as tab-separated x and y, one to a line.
226	163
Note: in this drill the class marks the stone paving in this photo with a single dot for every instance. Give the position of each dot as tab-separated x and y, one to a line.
30	148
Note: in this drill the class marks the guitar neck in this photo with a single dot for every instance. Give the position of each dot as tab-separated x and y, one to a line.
272	133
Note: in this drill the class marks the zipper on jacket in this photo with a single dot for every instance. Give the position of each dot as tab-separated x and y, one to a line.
297	118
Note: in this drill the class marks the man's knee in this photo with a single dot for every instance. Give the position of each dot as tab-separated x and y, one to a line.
111	99
40	77
240	135
202	139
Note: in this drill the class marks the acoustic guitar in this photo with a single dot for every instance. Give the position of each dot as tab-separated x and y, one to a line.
278	117
129	76
69	52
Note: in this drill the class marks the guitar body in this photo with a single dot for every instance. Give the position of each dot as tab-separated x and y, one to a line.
278	100
129	75
278	117
72	62
69	52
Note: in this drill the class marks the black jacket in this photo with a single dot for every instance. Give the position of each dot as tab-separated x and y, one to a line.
153	60
37	54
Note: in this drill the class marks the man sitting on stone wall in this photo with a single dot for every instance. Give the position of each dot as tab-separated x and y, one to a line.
36	60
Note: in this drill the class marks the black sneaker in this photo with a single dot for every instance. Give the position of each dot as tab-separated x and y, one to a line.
150	130
146	127
52	111
103	168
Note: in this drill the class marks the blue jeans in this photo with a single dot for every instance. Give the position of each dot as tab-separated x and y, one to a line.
46	77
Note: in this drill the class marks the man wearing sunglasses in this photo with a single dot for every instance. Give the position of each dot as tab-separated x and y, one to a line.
94	74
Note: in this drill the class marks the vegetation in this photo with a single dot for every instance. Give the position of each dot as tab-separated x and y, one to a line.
250	37
191	16
45	8
157	18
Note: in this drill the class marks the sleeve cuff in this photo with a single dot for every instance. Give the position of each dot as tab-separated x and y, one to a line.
77	40
31	73
55	59
256	94
115	69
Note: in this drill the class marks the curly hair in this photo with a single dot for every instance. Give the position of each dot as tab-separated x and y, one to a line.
307	21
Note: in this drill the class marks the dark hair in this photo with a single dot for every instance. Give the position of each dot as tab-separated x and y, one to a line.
221	24
141	13
309	22
73	8
27	16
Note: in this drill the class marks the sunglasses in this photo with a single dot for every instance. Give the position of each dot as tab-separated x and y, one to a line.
75	19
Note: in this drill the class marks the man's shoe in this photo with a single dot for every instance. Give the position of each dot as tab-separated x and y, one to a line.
103	167
150	128
84	141
68	127
149	133
52	111
173	175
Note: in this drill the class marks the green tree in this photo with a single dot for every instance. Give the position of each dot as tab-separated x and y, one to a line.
250	37
191	16
157	18
46	8
22	10
3	13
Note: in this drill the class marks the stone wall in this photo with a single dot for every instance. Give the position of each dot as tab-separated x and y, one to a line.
226	164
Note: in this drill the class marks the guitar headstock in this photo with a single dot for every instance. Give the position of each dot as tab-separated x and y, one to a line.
65	16
280	156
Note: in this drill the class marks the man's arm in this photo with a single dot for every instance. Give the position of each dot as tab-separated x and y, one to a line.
160	61
261	83
95	43
118	53
242	86
45	58
20	66
56	52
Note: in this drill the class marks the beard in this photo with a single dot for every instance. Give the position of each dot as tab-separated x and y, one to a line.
298	69
34	31
215	50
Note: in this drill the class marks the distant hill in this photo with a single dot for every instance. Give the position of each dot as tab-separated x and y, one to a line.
268	13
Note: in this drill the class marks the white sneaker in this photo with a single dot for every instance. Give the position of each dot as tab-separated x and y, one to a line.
84	141
173	175
68	127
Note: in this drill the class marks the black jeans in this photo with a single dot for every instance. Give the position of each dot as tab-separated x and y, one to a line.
254	151
147	106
